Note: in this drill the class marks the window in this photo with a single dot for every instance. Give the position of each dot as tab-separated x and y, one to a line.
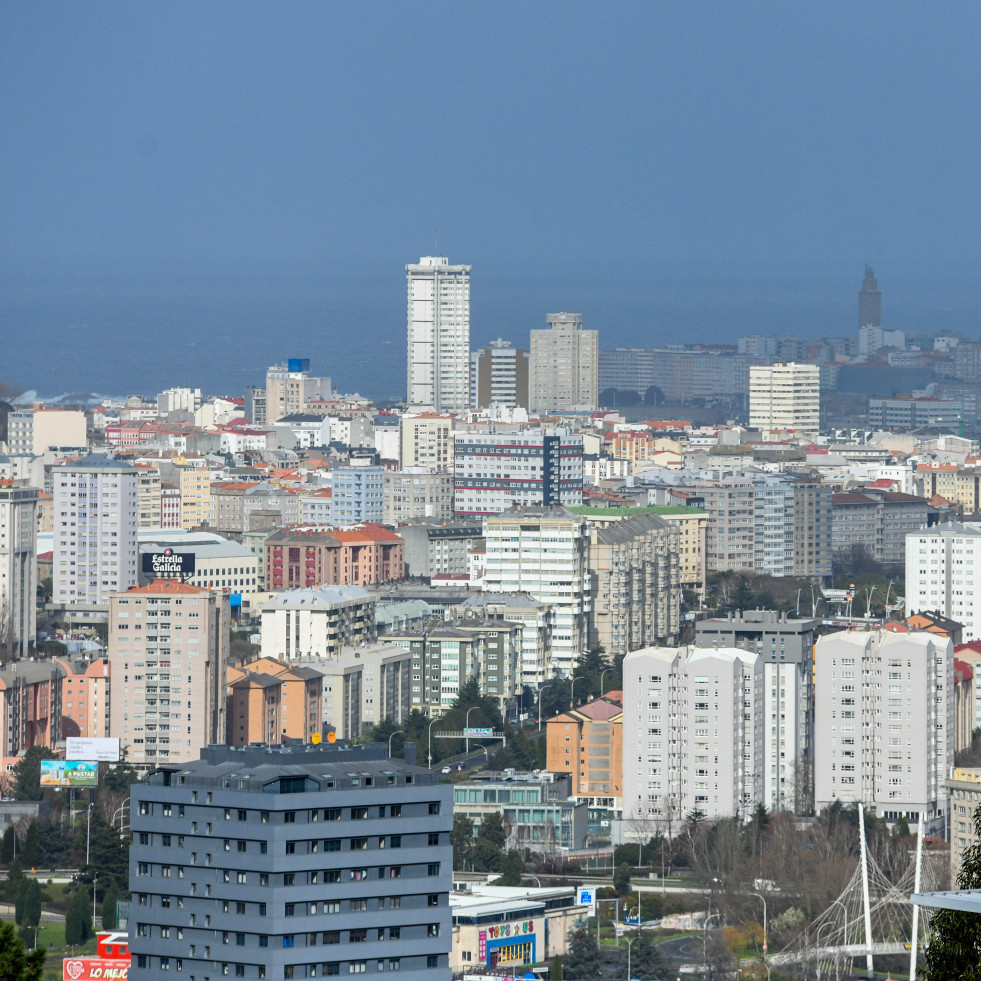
395	841
359	936
394	933
289	878
433	868
432	960
395	810
434	807
290	909
332	844
358	905
291	848
432	930
433	838
289	817
432	899
332	937
332	814
359	844
288	939
357	967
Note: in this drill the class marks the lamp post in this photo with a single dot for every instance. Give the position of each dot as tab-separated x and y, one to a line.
120	811
88	832
540	690
603	674
486	753
705	927
762	899
95	883
391	737
572	692
630	943
467	726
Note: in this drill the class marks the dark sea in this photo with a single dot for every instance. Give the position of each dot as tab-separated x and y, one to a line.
140	336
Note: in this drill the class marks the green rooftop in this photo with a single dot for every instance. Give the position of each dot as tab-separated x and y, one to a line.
677	509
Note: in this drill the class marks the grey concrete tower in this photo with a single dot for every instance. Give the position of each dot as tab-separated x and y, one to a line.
869	301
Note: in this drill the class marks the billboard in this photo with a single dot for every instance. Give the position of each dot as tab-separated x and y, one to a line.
94	969
168	564
85	748
69	773
478	733
586	896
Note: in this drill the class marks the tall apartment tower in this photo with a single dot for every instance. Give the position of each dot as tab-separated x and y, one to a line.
884	707
942	564
785	396
255	863
692	734
96	513
563	365
869	301
500	376
544	552
439	334
18	568
168	646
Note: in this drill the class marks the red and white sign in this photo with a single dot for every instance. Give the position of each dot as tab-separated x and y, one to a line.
94	969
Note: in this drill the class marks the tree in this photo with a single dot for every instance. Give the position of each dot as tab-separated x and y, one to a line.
15	963
461	840
31	854
621	879
15	879
27	773
109	902
27	906
954	950
8	846
555	971
109	850
78	919
646	961
55	845
511	866
583	960
492	830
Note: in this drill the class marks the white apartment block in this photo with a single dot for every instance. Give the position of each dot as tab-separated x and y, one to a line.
884	724
18	568
438	334
95	527
426	440
563	366
299	623
32	432
178	400
544	552
168	646
785	396
943	573
692	734
290	386
496	471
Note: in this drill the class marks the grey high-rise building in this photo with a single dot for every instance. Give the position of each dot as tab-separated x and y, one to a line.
869	301
257	862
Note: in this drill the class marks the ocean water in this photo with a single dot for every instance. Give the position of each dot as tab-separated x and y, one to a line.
142	336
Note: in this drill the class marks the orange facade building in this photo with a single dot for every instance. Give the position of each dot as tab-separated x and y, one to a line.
272	702
587	743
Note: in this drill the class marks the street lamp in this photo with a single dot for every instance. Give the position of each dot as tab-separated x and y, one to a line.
705	927
540	690
95	883
762	899
88	832
630	943
467	726
601	691
572	692
391	737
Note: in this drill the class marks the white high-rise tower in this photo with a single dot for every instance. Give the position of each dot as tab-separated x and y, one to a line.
439	335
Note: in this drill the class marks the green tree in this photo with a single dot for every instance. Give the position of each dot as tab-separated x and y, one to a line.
646	960
511	866
462	840
15	879
485	856
56	846
27	906
583	961
78	919
555	971
15	963
31	853
954	950
8	846
27	773
492	830
120	777
109	851
109	902
621	878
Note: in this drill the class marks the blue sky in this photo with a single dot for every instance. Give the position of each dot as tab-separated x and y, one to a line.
568	151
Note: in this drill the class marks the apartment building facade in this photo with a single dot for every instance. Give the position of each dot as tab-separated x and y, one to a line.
19	505
544	552
785	396
317	621
587	743
693	722
496	471
563	366
304	864
885	709
168	650
879	521
417	493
